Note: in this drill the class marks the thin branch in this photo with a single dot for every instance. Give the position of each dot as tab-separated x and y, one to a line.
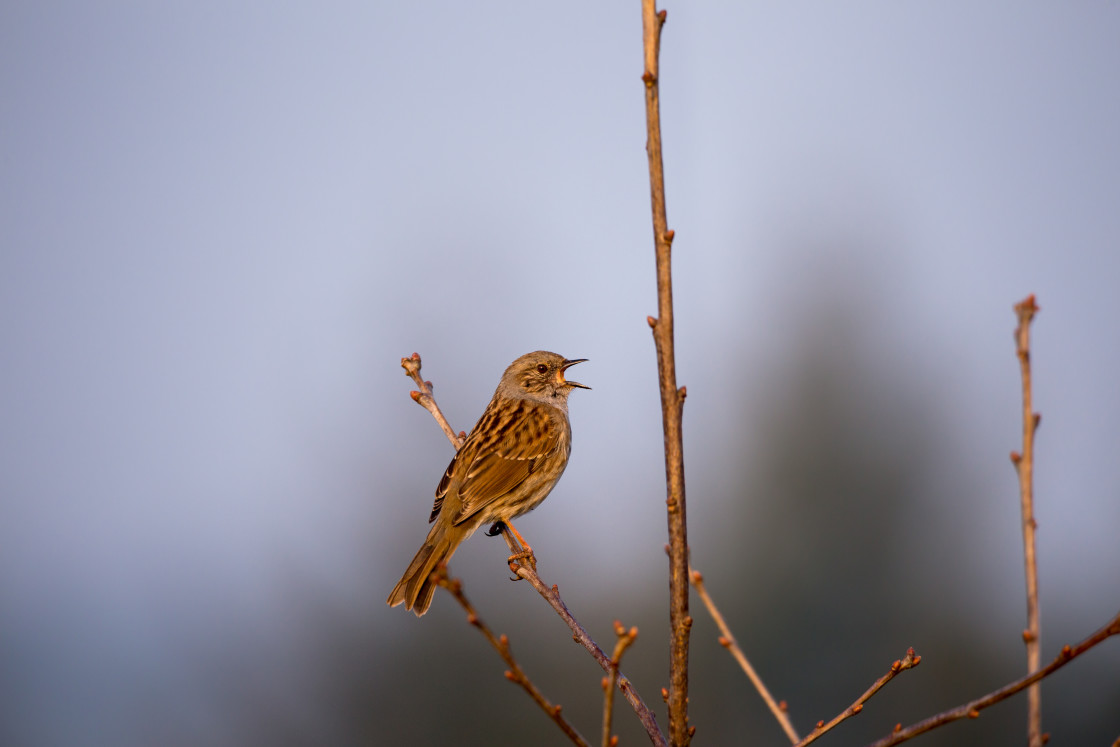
972	709
909	661
527	570
625	639
1024	463
425	399
580	636
727	640
672	398
515	673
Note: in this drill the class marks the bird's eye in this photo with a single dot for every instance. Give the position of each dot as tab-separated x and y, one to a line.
542	368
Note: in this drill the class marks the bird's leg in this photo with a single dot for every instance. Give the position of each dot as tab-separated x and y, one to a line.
521	549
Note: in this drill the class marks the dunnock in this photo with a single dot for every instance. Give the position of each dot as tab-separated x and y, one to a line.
509	463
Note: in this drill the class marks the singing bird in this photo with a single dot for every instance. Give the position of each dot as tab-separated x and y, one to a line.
510	462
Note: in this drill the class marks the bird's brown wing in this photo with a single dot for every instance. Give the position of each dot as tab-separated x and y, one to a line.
502	450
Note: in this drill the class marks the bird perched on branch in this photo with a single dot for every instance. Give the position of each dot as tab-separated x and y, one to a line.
509	463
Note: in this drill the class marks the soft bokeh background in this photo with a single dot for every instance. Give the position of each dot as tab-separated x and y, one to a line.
223	225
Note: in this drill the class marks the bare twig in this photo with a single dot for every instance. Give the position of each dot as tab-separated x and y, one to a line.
551	595
425	399
727	640
625	638
909	661
515	673
527	570
972	709
672	398
1024	463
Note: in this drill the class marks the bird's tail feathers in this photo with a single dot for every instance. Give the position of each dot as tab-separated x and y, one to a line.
416	588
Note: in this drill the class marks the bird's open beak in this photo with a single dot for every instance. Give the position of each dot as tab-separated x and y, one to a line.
565	367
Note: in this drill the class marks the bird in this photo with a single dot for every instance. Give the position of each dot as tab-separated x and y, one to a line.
510	461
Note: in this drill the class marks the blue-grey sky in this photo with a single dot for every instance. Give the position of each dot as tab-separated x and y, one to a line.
221	226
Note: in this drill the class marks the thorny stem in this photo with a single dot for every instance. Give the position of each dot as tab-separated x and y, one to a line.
515	673
972	709
1024	463
672	399
527	571
909	661
727	640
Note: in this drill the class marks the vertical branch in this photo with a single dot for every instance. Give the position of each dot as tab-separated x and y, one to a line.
672	399
625	639
1024	463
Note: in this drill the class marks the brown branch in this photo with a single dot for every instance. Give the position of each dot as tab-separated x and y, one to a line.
425	399
551	595
625	639
727	640
1024	463
672	399
527	570
515	673
909	661
972	709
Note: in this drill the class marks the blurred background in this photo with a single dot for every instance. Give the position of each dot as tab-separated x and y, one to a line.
223	225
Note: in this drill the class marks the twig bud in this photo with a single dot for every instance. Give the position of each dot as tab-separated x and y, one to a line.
415	395
665	694
691	729
651	321
974	713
